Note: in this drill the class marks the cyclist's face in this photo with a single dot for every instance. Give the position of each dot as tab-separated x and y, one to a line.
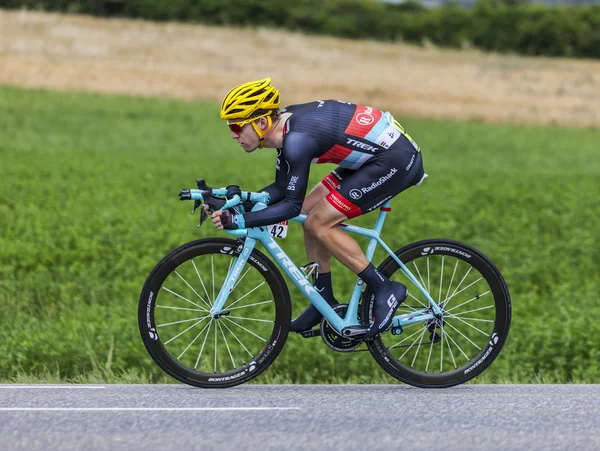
245	136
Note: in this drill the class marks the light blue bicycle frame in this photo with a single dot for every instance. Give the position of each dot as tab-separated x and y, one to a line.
261	235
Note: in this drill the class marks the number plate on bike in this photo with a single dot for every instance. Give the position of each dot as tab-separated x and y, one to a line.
278	230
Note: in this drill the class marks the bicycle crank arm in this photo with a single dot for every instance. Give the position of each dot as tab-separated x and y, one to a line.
311	333
354	331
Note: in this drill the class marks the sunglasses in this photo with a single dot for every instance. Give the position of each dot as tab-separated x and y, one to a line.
236	127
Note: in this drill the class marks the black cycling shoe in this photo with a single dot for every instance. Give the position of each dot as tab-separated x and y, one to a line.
309	318
386	304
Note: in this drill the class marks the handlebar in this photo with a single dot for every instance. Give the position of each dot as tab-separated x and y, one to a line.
233	194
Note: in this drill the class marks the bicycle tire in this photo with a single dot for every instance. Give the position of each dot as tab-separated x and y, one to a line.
186	260
492	339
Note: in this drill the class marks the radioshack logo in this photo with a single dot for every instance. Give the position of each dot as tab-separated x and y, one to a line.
365	118
379	182
355	194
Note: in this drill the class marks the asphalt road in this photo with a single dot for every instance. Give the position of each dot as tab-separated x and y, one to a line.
292	417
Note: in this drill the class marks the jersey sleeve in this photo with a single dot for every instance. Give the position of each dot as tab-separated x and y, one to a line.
294	163
276	190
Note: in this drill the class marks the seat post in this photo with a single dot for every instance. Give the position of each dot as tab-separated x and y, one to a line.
383	211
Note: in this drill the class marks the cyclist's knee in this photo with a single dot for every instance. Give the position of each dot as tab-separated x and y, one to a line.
321	219
316	195
314	225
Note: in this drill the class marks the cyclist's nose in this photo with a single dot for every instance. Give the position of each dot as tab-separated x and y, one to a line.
234	135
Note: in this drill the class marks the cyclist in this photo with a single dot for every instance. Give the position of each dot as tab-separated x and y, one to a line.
376	158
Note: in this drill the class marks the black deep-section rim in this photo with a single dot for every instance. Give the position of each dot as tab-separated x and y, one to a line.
494	345
171	365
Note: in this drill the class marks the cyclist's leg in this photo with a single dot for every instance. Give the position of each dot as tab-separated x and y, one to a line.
310	317
383	177
314	251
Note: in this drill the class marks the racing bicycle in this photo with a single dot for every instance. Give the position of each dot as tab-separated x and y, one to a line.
216	312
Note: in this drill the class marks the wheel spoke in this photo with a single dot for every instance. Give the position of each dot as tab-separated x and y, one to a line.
250	305
203	343
441	277
226	344
451	280
181	333
406	338
252	319
463	335
479	296
474	319
191	288
216	339
212	265
418	348
428	281
251	291
470	325
419	273
241	278
431	347
458	347
192	342
474	310
413	343
414	309
238	340
444	334
181	308
201	281
442	351
454	293
183	321
242	327
185	299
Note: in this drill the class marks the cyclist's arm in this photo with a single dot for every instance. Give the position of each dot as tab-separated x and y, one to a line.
298	151
276	190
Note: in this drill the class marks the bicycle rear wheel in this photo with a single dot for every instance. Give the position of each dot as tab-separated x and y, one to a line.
191	345
476	315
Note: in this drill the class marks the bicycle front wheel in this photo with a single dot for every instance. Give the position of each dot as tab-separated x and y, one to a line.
192	345
476	309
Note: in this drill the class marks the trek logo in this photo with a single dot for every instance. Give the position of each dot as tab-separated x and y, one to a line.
379	182
366	118
295	272
360	145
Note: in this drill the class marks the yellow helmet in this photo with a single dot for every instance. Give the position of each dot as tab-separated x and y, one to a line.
253	99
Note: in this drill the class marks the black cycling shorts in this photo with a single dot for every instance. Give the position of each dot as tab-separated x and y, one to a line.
354	192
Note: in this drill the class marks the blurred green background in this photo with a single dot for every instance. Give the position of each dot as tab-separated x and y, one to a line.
89	205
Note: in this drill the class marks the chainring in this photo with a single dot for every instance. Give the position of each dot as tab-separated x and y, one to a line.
334	340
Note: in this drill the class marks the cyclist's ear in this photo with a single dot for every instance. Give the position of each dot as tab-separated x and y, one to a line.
263	124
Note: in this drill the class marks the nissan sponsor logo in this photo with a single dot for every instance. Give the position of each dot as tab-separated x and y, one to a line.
379	182
355	194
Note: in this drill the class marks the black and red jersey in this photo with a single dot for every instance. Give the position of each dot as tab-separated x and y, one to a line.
324	131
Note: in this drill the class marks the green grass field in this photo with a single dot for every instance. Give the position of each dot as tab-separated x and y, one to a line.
89	205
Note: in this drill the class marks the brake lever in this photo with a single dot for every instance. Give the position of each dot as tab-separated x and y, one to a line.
203	217
197	203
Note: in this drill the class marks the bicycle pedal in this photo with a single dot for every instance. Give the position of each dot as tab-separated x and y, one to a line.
397	330
311	333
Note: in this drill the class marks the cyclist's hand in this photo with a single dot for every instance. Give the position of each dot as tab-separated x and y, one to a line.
224	220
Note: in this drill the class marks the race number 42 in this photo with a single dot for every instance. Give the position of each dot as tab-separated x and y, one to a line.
278	230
